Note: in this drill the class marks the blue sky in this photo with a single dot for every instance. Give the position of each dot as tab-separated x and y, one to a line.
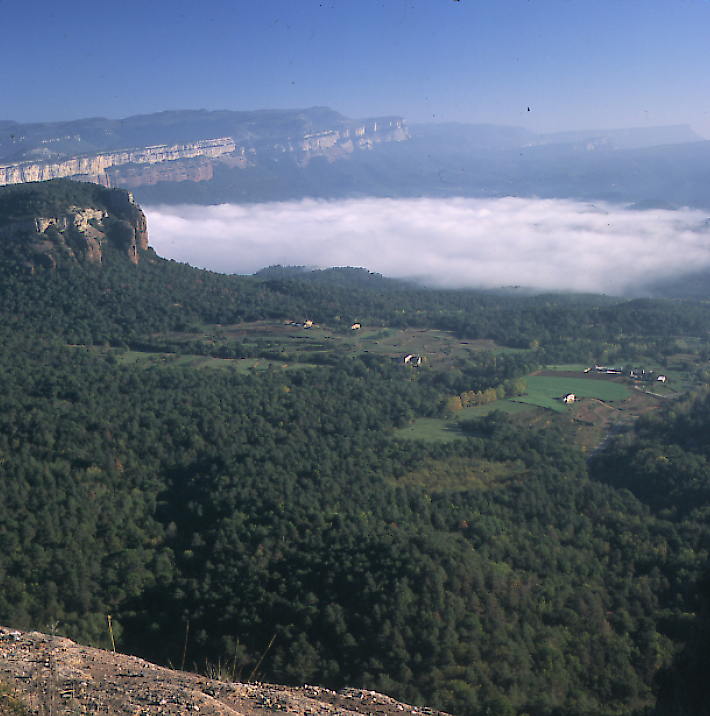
576	65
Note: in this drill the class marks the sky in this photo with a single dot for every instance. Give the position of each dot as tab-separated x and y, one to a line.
541	64
543	244
545	65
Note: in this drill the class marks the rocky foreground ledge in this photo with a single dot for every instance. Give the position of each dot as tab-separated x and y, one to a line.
53	675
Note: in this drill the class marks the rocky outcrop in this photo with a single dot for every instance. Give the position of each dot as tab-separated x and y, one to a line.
94	168
78	231
338	144
48	674
195	161
132	221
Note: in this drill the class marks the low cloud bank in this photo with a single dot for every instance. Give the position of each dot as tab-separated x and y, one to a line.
545	244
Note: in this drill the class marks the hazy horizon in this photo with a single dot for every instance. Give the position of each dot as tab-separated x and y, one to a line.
546	66
542	65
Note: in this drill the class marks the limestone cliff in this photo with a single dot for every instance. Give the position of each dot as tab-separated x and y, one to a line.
94	168
303	135
45	223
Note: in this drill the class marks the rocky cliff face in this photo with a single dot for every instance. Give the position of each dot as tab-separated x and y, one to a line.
45	223
304	135
96	168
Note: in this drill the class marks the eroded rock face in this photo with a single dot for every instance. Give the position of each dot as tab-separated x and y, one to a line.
134	220
94	167
79	232
194	161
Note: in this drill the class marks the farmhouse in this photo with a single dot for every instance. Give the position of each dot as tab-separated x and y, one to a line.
662	378
409	359
569	398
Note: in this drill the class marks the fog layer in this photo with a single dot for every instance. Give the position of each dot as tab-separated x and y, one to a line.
545	244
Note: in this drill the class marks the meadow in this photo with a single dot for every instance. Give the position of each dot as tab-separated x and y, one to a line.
546	391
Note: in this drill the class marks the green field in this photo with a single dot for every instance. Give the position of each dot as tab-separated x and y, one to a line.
446	430
542	392
546	391
296	346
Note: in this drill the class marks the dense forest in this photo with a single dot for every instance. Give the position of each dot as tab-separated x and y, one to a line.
271	524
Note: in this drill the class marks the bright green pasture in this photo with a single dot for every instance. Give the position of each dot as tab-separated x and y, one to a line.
546	391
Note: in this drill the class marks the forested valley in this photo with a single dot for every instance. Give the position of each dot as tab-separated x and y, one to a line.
272	524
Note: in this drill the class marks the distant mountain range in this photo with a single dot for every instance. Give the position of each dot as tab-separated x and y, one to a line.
181	146
244	157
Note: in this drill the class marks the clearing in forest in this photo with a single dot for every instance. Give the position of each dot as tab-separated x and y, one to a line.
546	391
459	474
297	345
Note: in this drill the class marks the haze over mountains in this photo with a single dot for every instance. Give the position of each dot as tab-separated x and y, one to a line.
223	156
453	205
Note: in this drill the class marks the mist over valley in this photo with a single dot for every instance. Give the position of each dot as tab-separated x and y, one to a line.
540	244
445	205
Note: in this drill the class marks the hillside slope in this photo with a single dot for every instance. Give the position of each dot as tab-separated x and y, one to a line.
55	675
178	450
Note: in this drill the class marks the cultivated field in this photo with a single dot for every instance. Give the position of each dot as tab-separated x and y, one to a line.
291	345
546	391
602	402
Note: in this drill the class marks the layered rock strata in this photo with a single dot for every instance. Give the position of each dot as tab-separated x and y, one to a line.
194	161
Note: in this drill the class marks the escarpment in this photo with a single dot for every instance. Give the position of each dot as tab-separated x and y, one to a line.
106	153
59	221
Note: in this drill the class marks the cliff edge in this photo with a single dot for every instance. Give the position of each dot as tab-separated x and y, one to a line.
47	223
183	145
46	674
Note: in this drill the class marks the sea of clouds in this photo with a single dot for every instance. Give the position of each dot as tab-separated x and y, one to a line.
544	244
